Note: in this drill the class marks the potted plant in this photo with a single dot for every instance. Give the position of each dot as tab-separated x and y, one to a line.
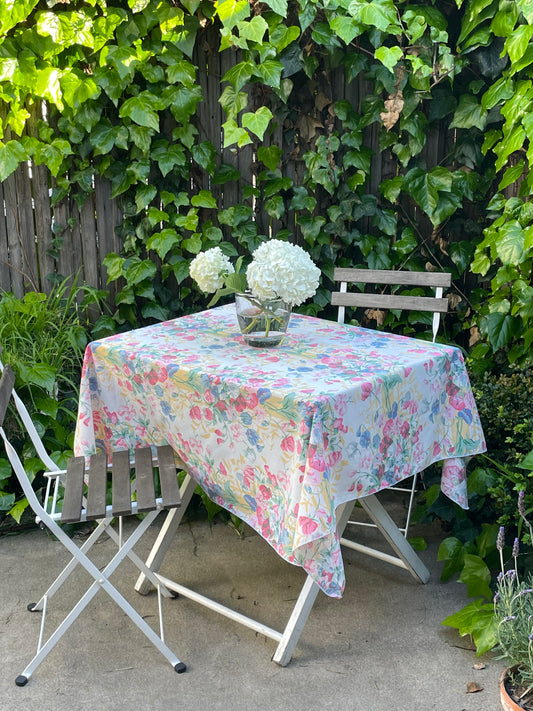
513	609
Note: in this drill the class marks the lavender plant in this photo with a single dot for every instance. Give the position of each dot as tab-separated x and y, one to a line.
513	609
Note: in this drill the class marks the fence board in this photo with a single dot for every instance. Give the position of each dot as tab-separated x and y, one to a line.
5	271
14	247
108	218
43	223
91	267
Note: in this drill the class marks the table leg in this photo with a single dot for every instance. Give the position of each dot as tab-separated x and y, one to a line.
294	627
407	558
166	535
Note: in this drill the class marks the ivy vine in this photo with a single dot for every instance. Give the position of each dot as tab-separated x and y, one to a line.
318	91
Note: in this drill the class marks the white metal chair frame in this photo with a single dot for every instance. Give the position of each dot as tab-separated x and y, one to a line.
435	304
77	508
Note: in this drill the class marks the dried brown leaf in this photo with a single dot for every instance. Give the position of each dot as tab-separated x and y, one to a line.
472	687
393	108
475	336
307	126
377	314
322	101
453	301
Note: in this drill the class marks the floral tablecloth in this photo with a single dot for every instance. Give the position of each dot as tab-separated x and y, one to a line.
282	436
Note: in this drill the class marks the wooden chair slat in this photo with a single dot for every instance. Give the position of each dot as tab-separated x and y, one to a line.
6	388
389	301
399	277
170	491
144	479
72	501
97	487
121	484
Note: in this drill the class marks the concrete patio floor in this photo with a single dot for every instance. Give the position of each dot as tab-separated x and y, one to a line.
380	648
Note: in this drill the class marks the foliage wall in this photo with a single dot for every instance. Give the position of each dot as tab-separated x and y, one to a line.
383	134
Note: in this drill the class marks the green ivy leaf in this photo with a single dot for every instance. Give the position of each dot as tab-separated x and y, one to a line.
231	12
235	134
385	220
469	113
141	110
113	263
204	199
391	188
233	102
6	500
20	506
301	200
11	13
451	550
511	175
275	207
162	242
155	311
144	194
193	244
270	156
5	469
12	154
461	254
424	187
500	328
476	13
225	174
510	143
269	72
204	155
52	154
279	6
182	72
517	42
184	100
380	14
257	122
254	29
240	74
347	28
389	56
137	270
510	245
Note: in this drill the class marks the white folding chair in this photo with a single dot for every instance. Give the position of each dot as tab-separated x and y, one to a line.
79	494
435	304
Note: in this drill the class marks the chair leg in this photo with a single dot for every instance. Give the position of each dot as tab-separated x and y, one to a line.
101	582
141	565
69	568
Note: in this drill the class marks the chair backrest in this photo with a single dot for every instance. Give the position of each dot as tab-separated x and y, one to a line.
28	424
435	304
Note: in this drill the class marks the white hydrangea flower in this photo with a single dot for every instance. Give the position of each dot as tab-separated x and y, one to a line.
284	270
209	268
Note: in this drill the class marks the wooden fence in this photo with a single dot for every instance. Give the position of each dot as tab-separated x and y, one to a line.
32	230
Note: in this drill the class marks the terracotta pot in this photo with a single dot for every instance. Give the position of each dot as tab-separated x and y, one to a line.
508	704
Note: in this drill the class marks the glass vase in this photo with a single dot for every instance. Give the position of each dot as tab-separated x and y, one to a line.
263	322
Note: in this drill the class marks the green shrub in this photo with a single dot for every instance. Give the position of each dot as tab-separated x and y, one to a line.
505	404
43	339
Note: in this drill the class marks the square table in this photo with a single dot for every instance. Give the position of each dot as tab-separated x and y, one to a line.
285	438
